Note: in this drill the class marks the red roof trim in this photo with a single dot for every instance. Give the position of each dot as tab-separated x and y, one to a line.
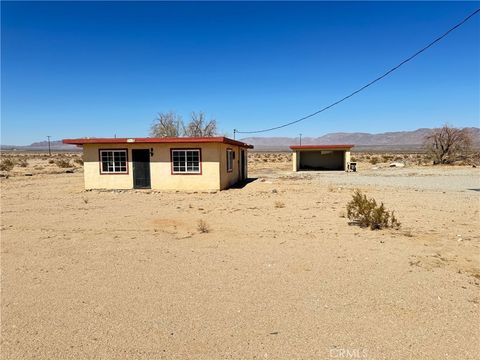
175	140
321	147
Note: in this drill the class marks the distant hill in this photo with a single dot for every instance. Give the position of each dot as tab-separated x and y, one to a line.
388	140
399	140
55	145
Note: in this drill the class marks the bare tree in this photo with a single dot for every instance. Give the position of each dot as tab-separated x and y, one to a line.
200	127
167	124
448	144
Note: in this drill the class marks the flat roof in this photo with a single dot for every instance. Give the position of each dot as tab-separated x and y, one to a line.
151	140
321	147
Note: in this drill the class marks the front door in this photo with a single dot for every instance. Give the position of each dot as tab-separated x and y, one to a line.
141	169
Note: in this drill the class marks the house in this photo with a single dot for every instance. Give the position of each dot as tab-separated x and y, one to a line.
321	157
183	163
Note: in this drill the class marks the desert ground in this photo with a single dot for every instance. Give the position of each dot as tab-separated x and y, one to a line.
279	273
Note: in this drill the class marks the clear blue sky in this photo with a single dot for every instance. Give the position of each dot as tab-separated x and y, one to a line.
99	69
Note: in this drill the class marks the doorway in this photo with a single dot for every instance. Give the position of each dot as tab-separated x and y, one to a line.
243	165
322	160
141	169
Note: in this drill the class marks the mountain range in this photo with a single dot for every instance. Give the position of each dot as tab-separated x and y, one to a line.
398	140
388	140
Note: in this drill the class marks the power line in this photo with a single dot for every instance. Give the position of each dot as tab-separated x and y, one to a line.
367	85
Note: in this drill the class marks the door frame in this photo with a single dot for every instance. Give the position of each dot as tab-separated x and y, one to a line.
148	167
243	165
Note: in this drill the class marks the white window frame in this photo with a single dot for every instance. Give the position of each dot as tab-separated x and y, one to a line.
114	165
230	158
186	171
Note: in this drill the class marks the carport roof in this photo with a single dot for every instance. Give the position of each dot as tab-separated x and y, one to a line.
322	147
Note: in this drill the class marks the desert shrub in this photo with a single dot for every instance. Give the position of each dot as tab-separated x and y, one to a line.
63	163
367	213
373	160
387	158
51	161
279	204
6	165
22	163
353	159
202	226
78	161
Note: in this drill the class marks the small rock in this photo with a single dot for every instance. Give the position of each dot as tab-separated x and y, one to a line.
4	174
28	174
274	191
397	164
69	171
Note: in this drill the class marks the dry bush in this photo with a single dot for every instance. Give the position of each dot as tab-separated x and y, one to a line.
367	213
78	161
6	165
203	227
22	163
51	161
279	204
63	163
447	145
373	160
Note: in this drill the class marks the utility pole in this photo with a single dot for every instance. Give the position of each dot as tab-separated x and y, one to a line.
300	139
49	149
234	132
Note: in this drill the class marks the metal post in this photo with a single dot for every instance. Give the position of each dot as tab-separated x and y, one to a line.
49	149
234	132
300	139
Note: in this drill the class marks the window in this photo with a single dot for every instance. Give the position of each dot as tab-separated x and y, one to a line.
113	161
230	157
186	161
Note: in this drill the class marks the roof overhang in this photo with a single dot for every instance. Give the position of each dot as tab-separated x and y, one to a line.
167	140
322	147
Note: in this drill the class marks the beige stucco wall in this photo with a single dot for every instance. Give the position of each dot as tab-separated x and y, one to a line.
347	159
295	160
227	179
297	154
213	177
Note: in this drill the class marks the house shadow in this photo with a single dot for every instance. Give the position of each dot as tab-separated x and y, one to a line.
243	183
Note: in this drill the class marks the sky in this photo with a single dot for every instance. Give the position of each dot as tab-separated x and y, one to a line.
104	69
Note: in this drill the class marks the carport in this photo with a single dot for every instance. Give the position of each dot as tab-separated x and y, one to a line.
321	157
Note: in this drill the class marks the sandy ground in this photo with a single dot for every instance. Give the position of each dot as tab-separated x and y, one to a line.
280	274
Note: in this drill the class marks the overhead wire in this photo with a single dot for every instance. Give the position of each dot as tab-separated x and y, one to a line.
429	45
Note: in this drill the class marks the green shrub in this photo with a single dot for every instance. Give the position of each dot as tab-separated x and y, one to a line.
367	213
6	165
